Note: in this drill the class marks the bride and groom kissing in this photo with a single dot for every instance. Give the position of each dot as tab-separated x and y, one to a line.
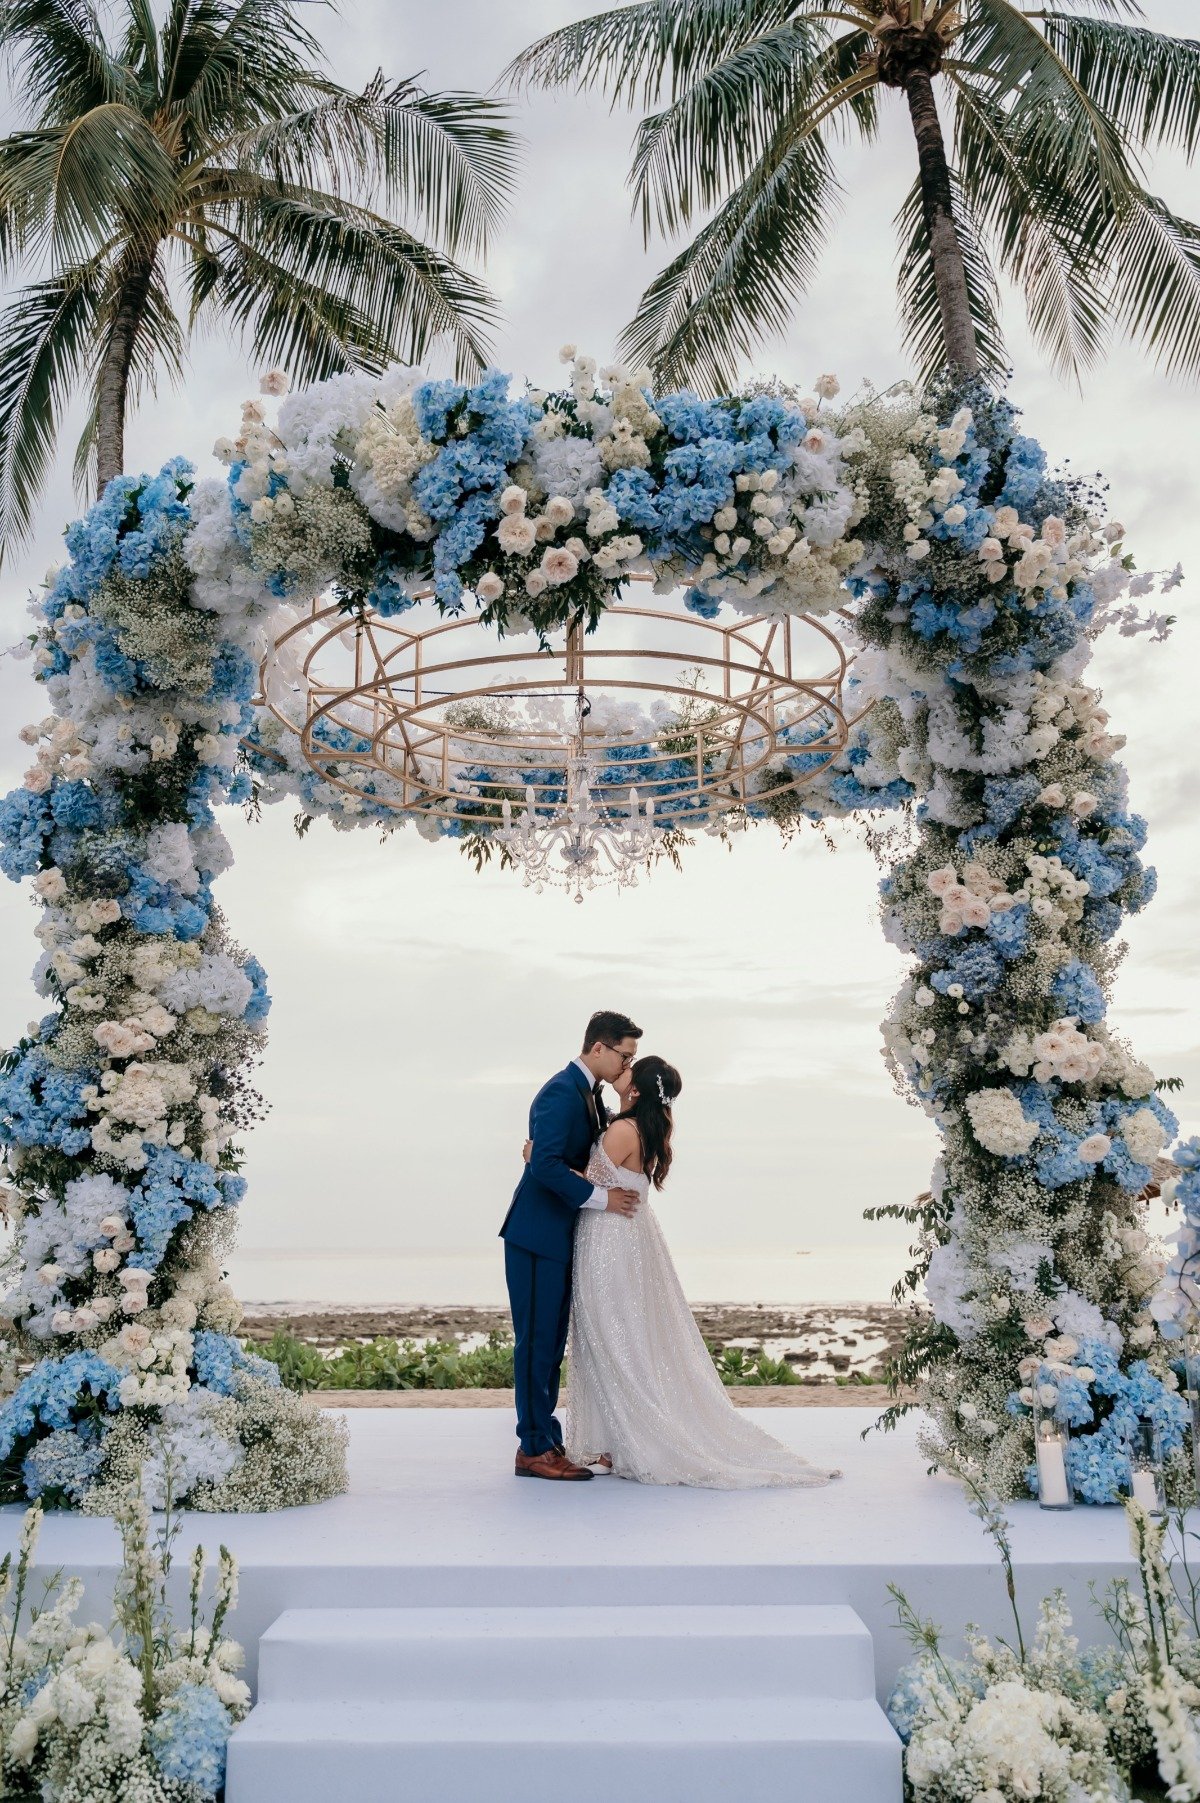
590	1276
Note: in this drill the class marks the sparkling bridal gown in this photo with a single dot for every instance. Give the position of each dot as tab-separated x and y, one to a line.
641	1384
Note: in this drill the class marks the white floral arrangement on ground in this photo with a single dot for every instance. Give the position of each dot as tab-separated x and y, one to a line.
141	1711
1039	1718
973	582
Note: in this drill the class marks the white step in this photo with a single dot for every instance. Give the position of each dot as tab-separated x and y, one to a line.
754	1750
669	1703
681	1651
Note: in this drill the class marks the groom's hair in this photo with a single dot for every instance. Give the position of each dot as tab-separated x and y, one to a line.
609	1028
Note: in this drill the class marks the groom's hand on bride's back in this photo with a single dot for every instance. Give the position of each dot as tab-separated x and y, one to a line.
622	1202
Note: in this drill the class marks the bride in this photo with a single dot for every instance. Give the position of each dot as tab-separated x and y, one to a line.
644	1398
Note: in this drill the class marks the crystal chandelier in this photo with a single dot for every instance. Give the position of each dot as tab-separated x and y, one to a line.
580	845
620	740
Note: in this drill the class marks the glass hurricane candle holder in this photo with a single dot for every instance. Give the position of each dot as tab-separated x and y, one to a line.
1051	1438
1191	1391
1146	1468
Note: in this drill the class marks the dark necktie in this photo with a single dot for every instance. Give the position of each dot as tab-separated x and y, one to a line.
598	1100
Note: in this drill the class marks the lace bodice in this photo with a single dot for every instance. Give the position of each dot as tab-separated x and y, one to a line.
602	1171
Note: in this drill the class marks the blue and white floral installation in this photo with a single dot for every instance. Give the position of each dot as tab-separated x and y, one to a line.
972	583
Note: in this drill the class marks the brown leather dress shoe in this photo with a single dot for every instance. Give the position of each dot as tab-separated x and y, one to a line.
554	1465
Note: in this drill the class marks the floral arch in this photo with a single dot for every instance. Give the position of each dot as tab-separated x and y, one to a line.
968	584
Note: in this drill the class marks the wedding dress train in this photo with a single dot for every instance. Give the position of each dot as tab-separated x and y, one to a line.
642	1387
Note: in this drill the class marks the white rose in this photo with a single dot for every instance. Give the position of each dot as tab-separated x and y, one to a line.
516	534
1095	1147
513	499
559	510
535	583
559	565
489	588
1083	804
827	387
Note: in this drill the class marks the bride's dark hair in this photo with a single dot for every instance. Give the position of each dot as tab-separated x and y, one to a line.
657	1083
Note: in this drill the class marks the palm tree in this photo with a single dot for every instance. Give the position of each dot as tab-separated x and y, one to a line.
208	169
1049	109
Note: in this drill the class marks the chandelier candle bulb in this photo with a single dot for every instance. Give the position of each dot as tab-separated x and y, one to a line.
1191	1392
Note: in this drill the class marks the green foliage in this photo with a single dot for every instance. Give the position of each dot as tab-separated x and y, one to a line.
202	152
737	1366
388	1364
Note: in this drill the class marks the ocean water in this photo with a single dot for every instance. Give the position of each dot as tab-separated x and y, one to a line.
790	1275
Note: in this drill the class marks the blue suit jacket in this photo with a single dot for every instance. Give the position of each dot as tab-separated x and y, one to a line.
545	1208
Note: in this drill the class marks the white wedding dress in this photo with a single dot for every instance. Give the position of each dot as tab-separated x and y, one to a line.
641	1384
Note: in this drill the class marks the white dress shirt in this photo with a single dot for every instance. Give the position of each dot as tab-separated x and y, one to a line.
598	1197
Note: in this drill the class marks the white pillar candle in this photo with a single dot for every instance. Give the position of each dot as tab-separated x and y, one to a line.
1052	1474
1145	1490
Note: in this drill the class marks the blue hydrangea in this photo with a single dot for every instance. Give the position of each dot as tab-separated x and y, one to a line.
188	1738
25	824
978	967
51	1392
1076	991
171	1187
1116	1400
219	1357
64	1461
41	1105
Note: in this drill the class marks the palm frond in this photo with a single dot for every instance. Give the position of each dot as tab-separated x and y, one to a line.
740	277
406	294
448	160
1155	283
1147	83
917	288
104	173
140	48
229	64
61	64
46	335
690	155
631	51
1042	226
1043	98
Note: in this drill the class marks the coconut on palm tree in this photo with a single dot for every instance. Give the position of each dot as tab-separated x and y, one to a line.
205	166
1030	124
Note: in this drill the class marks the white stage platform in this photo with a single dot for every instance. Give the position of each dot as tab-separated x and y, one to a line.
434	1516
435	1520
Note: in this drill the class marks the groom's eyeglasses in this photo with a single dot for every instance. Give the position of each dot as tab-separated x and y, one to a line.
626	1058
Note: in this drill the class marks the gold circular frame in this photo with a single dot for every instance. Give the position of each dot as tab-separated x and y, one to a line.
417	700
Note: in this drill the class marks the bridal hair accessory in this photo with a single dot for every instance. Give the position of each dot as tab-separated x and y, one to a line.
662	1094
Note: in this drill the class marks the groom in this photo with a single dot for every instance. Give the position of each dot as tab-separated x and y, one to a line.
567	1117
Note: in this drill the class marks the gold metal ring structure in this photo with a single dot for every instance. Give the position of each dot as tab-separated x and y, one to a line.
445	717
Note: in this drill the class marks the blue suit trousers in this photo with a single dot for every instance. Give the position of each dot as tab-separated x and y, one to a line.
539	1294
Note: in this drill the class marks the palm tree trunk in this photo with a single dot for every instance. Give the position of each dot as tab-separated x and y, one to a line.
949	273
112	382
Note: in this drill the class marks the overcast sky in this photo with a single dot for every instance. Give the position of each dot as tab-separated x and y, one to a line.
418	1006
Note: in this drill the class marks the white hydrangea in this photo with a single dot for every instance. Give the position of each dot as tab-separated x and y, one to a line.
999	1123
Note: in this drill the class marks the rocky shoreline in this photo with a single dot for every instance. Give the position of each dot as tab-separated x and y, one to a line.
819	1341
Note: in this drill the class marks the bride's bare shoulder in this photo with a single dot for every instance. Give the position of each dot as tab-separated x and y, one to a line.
622	1145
